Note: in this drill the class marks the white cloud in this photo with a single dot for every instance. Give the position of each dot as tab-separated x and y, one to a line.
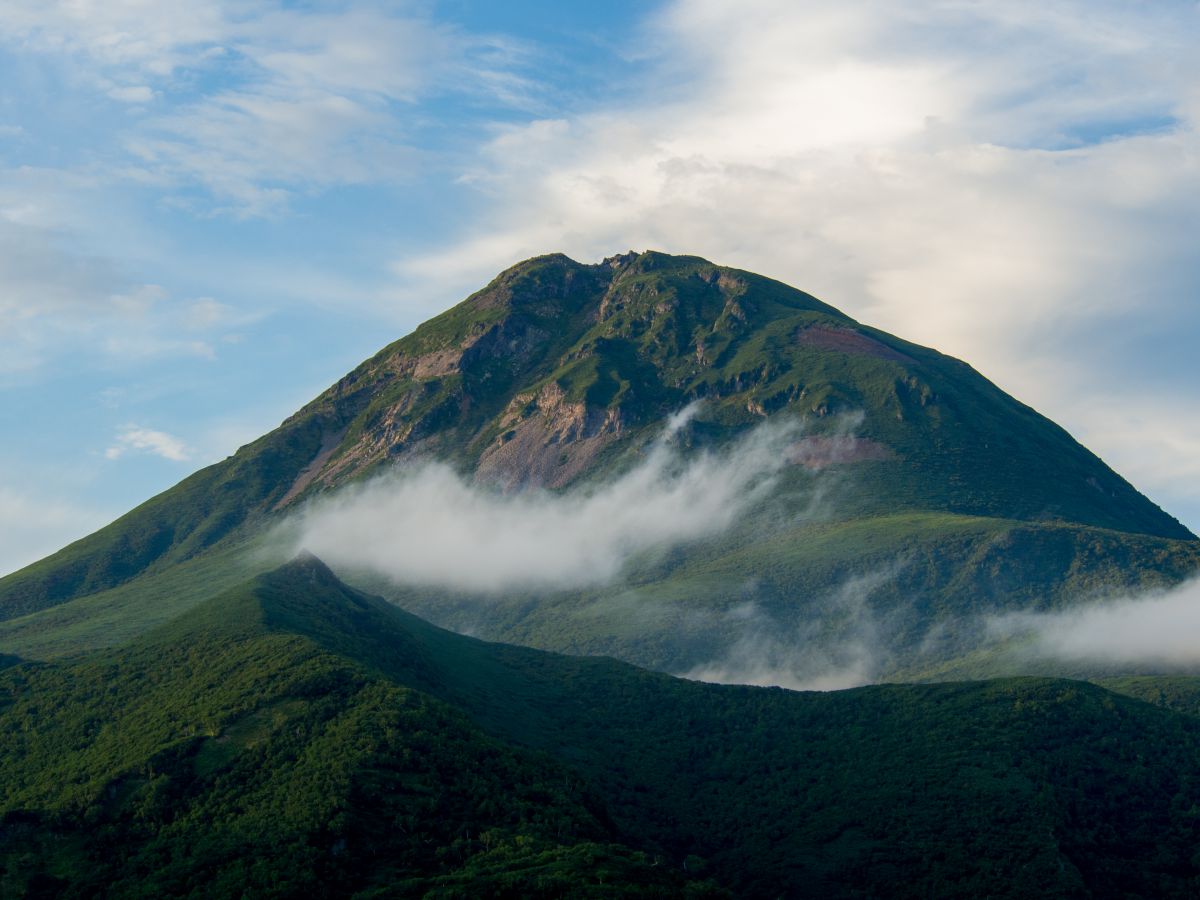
146	440
1001	182
1160	628
132	94
429	526
845	645
262	99
61	300
142	35
205	312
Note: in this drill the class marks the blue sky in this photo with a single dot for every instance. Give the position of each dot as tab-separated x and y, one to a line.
210	211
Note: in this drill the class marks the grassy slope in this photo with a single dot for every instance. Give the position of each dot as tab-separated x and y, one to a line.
983	504
939	572
365	747
234	499
236	750
118	615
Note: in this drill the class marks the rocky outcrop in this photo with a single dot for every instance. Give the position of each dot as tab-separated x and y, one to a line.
547	440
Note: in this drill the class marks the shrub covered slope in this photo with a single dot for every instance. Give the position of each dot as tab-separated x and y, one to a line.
295	737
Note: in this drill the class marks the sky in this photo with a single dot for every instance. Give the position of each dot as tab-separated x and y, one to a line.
211	211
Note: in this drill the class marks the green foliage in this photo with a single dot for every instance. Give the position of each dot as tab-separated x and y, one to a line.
228	754
1180	693
927	572
118	615
297	738
204	511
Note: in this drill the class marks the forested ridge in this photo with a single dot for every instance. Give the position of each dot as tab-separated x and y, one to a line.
294	737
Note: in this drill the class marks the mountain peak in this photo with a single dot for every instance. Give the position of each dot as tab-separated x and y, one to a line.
558	372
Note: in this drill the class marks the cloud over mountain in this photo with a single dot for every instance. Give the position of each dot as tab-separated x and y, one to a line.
429	525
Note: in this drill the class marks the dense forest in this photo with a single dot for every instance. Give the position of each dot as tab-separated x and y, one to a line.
297	738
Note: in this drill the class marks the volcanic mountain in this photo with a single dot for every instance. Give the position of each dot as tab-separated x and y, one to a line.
188	710
929	496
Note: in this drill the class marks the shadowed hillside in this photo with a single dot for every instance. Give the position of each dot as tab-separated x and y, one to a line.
295	737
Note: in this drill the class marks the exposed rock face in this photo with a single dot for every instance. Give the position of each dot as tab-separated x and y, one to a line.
537	377
540	376
329	444
436	364
556	368
548	441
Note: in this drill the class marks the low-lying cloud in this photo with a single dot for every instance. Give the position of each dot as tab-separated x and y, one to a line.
1161	628
429	525
844	646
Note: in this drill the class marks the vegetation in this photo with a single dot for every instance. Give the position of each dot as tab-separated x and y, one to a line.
643	334
228	754
180	717
294	737
918	575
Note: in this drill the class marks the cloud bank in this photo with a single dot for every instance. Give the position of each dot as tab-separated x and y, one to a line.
428	525
1157	629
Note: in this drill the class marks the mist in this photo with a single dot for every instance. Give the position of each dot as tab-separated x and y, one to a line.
429	525
843	646
1156	628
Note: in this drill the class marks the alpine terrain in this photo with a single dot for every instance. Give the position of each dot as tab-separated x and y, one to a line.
612	475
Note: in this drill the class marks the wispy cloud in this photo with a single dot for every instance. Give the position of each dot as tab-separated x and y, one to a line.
841	643
33	524
429	526
133	438
1158	629
60	300
135	35
263	99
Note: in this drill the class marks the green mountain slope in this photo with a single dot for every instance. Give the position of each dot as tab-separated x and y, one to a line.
252	748
558	373
295	737
909	591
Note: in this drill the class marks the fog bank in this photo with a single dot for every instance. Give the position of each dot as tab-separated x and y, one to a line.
1160	627
428	525
844	646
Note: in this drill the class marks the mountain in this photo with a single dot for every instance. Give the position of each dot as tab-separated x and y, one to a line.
295	737
917	488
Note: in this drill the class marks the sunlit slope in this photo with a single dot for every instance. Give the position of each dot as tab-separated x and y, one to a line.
294	737
117	615
556	372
